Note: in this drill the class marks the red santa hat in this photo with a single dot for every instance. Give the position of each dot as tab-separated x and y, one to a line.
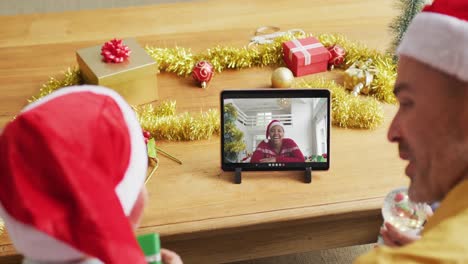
273	123
438	37
72	166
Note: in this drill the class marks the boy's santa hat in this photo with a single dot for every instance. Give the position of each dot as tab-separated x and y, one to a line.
438	37
270	125
72	166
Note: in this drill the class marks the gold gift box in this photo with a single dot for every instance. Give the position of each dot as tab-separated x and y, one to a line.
357	79
359	76
134	79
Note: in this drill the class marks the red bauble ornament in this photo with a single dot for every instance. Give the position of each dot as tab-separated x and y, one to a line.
337	55
115	51
399	197
202	72
146	134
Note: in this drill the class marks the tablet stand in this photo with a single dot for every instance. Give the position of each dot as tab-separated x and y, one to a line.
308	175
238	176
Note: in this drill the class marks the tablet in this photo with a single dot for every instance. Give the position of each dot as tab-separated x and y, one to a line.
275	129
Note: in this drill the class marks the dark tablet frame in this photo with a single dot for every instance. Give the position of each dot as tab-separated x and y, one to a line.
276	93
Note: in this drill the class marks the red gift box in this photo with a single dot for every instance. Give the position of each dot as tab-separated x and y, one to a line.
305	56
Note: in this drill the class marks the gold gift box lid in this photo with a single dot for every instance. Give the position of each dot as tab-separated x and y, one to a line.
95	71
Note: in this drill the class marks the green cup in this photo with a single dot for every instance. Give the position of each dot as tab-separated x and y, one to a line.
151	246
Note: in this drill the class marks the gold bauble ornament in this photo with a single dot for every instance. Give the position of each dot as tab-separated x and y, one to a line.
282	78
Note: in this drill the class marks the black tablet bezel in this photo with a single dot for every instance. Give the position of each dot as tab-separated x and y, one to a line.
269	93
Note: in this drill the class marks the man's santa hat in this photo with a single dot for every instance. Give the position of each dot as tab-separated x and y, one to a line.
438	37
273	123
72	166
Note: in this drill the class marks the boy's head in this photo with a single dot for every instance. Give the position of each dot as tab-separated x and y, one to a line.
72	167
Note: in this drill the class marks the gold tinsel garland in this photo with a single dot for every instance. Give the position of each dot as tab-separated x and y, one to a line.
181	61
161	121
348	111
164	123
70	77
382	85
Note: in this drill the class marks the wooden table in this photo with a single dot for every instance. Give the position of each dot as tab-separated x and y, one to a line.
196	208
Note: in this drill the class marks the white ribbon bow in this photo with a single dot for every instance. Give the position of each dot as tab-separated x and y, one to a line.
269	38
304	49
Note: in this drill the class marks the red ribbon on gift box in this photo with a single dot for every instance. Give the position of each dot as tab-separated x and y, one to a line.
304	49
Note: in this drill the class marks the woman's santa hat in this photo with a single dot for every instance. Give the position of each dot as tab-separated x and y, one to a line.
273	123
72	166
438	37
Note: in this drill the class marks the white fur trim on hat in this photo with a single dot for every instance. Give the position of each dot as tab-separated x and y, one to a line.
439	41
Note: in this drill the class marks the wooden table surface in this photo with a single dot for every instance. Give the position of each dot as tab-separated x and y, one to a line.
195	207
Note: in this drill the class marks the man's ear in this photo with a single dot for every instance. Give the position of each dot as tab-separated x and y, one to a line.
138	208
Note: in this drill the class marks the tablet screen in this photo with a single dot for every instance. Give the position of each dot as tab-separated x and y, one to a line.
275	129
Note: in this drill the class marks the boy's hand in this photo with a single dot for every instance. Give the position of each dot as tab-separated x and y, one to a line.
170	257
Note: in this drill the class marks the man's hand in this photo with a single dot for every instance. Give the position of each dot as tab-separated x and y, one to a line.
272	159
169	257
392	237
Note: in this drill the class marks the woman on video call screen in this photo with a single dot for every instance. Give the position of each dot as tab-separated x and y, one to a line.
277	148
277	130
